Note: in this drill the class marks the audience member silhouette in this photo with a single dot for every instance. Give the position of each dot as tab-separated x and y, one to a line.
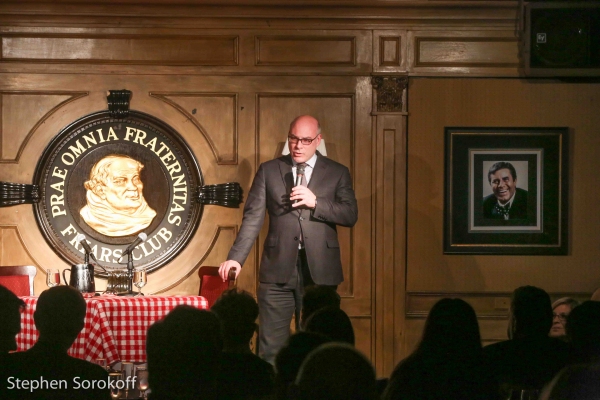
596	295
333	323
530	358
10	320
561	309
59	317
243	374
317	297
336	371
183	352
575	382
447	364
583	330
291	356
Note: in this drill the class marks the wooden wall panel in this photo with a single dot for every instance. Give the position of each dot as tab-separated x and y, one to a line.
306	50
513	102
200	108
121	49
21	113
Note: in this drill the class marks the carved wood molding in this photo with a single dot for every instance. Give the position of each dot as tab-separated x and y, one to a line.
487	305
74	96
390	93
165	96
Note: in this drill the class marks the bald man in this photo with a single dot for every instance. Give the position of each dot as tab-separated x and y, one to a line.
302	246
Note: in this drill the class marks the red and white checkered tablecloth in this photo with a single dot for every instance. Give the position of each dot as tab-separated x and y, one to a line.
115	327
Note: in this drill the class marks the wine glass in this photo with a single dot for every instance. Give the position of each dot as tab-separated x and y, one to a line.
140	279
116	378
126	375
141	374
52	277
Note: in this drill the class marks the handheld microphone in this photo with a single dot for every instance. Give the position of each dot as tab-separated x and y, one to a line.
299	173
140	239
83	242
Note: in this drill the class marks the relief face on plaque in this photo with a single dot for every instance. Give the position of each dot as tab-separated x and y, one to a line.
111	179
115	199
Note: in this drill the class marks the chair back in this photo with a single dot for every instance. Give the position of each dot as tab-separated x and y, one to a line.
18	279
211	284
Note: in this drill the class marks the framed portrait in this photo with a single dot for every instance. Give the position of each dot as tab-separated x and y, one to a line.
506	191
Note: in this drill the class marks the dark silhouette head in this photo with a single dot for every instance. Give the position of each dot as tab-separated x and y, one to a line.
575	382
59	315
336	371
183	353
317	297
291	356
451	330
583	329
531	312
237	311
10	319
333	323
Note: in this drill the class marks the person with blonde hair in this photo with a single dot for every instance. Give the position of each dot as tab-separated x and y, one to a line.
561	309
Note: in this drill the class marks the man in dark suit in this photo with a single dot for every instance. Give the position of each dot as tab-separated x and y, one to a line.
507	201
302	246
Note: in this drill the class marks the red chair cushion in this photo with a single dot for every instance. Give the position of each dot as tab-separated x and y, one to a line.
212	287
18	284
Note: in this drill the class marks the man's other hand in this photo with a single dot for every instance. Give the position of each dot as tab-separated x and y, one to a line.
226	266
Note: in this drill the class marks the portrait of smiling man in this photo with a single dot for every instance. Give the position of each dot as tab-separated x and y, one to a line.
115	201
507	201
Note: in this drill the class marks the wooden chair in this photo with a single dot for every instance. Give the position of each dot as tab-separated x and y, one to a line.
211	284
18	279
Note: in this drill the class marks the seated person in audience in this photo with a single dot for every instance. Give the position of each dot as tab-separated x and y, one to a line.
583	330
317	297
561	309
291	356
530	358
575	382
184	352
447	364
333	323
336	371
59	317
243	375
10	320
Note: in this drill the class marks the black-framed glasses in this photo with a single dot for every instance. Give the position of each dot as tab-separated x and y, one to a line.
304	141
562	316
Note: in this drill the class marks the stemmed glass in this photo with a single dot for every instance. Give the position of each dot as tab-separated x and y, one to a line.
141	374
140	279
117	384
52	277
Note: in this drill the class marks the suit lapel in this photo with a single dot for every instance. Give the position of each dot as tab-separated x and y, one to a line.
318	174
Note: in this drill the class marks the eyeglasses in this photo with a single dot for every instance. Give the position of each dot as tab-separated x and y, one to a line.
562	317
304	141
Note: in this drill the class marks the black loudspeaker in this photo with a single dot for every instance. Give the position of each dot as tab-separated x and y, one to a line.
562	39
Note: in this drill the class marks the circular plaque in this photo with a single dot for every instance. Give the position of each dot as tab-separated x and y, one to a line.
112	179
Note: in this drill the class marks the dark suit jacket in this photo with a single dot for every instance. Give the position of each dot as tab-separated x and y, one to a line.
336	205
518	209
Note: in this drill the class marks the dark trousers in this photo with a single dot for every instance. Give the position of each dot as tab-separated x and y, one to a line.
277	303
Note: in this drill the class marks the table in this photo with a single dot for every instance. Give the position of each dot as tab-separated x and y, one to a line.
115	327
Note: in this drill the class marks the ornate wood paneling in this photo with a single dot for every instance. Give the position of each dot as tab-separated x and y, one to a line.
22	112
200	108
306	50
121	49
390	50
